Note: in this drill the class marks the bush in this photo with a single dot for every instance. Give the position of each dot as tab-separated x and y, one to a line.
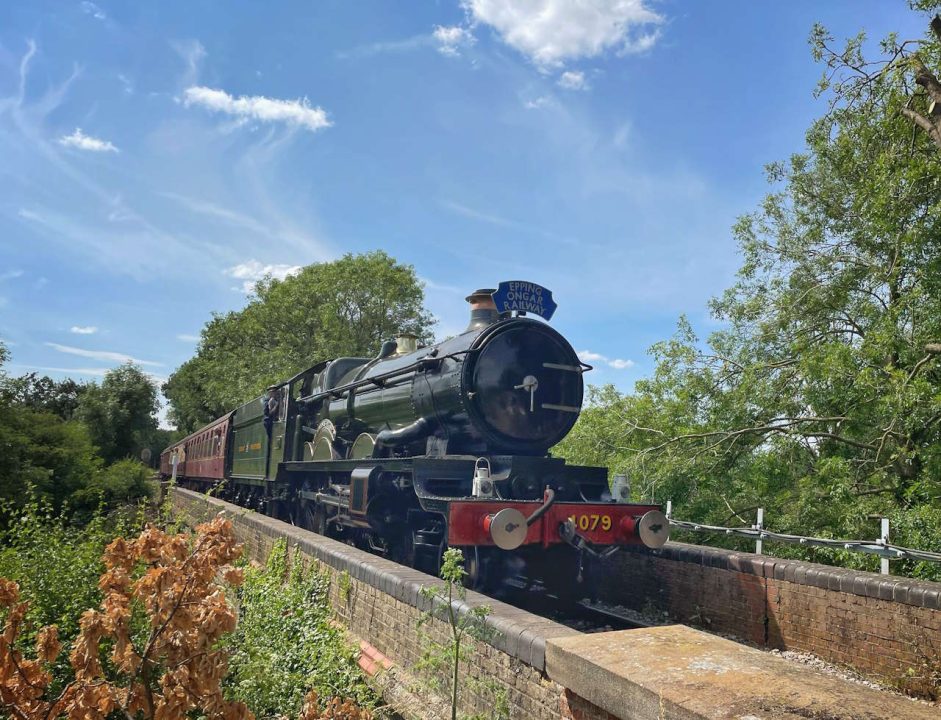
57	566
120	484
159	644
168	665
285	643
41	450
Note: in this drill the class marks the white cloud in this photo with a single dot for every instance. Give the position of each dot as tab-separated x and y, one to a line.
387	46
80	140
451	40
432	285
258	107
481	216
192	53
99	372
83	329
273	224
498	220
573	80
11	275
551	32
537	103
252	271
89	8
127	83
103	355
188	338
616	363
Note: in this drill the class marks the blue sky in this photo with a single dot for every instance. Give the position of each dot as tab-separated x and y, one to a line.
156	157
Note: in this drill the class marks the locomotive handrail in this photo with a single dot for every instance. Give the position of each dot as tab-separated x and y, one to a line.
379	380
549	501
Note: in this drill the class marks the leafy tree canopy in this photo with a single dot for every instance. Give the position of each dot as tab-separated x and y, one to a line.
327	310
47	455
820	397
120	414
43	393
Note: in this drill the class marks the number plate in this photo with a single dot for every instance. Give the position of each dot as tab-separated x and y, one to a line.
592	522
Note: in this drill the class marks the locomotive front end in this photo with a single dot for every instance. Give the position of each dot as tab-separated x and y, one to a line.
523	386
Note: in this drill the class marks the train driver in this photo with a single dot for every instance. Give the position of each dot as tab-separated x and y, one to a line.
271	407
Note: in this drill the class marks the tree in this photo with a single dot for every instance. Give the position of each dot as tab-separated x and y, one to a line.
39	449
56	458
820	398
904	72
43	393
327	310
120	414
448	655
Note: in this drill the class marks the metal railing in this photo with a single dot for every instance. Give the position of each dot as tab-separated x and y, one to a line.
881	546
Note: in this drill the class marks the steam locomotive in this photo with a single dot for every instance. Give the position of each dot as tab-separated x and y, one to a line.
423	448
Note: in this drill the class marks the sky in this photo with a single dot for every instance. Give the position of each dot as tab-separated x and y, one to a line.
158	158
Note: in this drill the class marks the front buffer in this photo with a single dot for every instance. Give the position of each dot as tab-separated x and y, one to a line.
598	528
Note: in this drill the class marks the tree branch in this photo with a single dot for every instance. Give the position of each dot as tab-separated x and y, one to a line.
925	124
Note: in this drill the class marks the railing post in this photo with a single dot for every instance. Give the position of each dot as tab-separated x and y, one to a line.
758	526
884	562
669	509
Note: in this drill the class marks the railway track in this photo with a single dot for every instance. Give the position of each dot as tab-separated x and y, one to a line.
582	615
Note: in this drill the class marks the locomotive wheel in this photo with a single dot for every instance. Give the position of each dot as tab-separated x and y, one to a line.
478	569
296	513
402	549
315	518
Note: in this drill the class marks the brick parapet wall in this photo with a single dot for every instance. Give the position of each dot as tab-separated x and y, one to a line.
380	602
879	625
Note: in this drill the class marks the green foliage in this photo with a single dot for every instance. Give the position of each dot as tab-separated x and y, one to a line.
40	450
49	431
819	398
344	583
285	644
327	310
120	413
43	393
123	483
440	656
57	564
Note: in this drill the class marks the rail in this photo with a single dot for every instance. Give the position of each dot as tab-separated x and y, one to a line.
757	532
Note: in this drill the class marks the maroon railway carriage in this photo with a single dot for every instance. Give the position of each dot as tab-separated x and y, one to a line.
200	456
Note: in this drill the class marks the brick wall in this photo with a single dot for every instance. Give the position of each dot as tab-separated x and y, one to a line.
380	602
877	624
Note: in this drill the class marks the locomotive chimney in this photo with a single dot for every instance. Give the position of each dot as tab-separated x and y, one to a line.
406	343
483	310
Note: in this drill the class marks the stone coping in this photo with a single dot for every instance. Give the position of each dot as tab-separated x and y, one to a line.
673	672
513	631
907	591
